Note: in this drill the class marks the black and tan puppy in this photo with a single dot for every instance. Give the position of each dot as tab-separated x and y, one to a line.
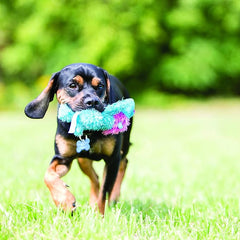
84	86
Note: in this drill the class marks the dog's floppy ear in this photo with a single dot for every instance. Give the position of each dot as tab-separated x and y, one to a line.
38	107
108	90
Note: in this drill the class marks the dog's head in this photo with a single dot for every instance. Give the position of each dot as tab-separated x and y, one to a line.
81	86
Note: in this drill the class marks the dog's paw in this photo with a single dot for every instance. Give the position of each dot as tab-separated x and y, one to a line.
64	200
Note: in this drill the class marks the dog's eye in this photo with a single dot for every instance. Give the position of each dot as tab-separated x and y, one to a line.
72	85
100	86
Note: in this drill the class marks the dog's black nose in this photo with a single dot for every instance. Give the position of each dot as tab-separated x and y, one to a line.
91	102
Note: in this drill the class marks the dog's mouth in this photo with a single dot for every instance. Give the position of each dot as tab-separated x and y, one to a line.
77	107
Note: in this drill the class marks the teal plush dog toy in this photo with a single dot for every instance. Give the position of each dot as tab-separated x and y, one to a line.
113	120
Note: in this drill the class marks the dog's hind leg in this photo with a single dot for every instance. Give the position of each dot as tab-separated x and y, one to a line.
109	177
115	194
61	196
87	168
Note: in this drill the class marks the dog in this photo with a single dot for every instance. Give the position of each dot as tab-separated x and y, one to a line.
84	86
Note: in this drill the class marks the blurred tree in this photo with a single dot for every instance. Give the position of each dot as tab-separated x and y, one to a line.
188	46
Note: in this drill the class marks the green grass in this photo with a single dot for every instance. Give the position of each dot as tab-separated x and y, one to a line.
182	181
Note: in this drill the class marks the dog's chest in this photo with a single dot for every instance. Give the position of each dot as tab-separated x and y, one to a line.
67	148
104	146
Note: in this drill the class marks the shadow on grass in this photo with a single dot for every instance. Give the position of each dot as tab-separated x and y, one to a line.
143	208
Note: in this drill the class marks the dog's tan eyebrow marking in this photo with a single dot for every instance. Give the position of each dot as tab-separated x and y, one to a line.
79	79
95	81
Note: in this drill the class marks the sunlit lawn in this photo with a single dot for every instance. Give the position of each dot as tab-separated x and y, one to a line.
183	179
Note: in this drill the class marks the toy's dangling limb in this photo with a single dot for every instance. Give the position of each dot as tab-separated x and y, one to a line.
74	122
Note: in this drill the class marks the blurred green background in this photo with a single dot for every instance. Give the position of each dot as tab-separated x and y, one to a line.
189	47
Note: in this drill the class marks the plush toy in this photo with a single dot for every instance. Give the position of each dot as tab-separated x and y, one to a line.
114	119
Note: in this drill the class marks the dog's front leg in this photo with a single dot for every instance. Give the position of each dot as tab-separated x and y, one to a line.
62	197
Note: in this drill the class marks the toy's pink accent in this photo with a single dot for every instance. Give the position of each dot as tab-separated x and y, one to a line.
121	122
